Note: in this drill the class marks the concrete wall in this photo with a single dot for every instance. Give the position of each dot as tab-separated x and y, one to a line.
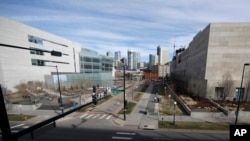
15	64
21	108
190	65
218	49
229	49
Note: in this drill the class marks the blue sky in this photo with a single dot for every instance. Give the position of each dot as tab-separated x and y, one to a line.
119	25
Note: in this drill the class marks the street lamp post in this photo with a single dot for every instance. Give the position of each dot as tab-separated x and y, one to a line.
174	112
59	87
238	105
169	96
124	89
124	95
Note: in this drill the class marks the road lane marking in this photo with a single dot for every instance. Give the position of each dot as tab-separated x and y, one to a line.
162	138
17	126
109	117
102	116
83	115
89	116
122	138
96	116
126	133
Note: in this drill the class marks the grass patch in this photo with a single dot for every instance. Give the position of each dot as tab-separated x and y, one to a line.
137	97
165	111
130	107
19	117
194	125
86	108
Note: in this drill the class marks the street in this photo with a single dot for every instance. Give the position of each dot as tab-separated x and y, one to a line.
100	134
103	123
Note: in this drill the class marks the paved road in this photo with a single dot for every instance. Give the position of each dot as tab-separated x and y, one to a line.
98	124
90	134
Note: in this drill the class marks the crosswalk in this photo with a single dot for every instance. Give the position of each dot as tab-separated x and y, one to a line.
92	116
99	116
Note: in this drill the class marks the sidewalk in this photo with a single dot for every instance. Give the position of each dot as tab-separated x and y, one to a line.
137	118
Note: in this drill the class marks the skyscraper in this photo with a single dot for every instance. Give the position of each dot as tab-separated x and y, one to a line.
163	55
153	59
118	55
133	58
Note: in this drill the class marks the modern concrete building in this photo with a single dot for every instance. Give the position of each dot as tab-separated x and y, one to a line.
216	55
29	54
26	53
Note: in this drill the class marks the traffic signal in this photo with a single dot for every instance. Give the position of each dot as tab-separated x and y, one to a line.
94	99
125	102
59	100
94	89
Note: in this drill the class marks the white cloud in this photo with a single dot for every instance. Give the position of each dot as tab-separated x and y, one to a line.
113	25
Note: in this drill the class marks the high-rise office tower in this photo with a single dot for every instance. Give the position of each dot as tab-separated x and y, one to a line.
118	55
163	55
133	58
153	59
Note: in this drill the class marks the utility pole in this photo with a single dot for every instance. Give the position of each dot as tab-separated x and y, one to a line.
124	97
59	88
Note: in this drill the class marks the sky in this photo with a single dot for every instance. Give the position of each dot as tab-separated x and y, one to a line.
120	25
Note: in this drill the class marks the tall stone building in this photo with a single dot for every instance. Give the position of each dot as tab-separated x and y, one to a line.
216	55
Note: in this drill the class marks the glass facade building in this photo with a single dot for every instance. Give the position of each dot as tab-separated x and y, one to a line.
92	62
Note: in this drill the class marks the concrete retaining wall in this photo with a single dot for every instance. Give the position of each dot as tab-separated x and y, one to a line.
222	109
179	101
23	107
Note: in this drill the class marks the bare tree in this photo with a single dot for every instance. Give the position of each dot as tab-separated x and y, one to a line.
38	85
227	85
22	89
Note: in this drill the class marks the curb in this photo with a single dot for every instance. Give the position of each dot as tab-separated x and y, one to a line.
147	127
117	122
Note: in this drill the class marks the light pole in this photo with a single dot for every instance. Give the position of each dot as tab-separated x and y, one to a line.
124	89
174	112
59	87
169	96
238	105
124	95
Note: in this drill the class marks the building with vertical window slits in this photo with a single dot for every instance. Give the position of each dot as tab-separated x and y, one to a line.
30	54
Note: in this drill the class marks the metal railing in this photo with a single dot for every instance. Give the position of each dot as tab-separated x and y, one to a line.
6	132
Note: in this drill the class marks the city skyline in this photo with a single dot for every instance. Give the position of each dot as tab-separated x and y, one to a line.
122	25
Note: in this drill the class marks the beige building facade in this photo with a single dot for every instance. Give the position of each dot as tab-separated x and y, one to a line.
216	55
